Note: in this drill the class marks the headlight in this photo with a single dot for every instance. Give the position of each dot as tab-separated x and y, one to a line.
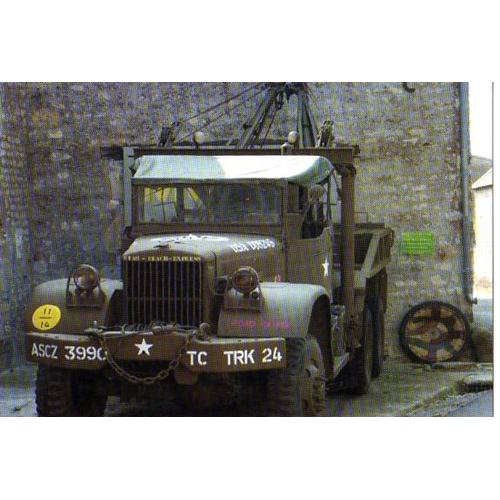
245	280
86	277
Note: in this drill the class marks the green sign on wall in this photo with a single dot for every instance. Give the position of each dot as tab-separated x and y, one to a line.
417	243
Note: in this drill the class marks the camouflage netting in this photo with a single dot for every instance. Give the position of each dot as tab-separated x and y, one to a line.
60	203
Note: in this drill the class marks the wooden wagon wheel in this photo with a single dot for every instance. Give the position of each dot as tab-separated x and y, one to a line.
434	332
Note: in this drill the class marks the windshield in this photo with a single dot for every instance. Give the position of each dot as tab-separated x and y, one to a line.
237	204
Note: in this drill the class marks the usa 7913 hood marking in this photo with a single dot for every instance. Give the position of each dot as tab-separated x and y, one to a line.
253	245
190	237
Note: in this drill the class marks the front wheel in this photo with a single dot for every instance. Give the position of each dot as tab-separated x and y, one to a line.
68	393
299	389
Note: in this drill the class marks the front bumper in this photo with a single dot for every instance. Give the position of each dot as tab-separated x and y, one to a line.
210	355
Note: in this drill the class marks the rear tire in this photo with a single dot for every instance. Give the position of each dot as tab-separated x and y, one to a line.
68	393
299	389
361	367
377	309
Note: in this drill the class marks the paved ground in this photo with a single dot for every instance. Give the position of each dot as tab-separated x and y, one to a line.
478	404
403	389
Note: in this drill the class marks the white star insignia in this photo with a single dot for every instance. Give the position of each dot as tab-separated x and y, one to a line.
325	265
143	347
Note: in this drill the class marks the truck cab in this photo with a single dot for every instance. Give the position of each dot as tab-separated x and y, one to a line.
268	212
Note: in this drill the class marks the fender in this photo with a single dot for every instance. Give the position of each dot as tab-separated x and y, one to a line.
285	312
74	320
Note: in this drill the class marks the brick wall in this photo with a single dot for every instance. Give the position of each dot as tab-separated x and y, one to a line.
59	195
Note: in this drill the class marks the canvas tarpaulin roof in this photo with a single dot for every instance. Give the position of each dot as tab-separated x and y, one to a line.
303	170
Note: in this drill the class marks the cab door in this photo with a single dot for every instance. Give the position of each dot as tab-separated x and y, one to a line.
310	256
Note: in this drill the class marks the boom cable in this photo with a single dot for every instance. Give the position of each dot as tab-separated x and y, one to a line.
215	118
312	99
275	110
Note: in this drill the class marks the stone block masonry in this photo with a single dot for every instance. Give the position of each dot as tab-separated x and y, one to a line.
58	196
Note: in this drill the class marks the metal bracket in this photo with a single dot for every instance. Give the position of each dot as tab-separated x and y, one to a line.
128	163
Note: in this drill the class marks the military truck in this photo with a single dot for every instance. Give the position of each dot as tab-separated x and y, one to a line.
245	281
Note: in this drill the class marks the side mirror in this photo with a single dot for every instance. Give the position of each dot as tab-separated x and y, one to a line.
316	194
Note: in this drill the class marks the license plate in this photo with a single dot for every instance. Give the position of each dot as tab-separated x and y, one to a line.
257	356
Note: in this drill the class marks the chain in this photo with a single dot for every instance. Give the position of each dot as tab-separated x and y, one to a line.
161	375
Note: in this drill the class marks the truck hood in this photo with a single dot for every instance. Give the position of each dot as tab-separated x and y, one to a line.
229	250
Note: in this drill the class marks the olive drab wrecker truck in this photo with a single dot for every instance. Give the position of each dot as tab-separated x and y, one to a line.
245	280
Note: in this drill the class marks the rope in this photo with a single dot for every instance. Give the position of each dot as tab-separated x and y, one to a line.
215	106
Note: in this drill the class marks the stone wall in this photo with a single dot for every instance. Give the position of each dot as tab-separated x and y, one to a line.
59	195
16	226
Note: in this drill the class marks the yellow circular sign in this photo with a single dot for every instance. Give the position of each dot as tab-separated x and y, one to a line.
46	317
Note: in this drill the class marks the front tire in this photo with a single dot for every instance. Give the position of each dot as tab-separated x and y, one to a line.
299	389
68	393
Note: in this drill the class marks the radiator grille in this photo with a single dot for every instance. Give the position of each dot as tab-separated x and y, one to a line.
163	291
